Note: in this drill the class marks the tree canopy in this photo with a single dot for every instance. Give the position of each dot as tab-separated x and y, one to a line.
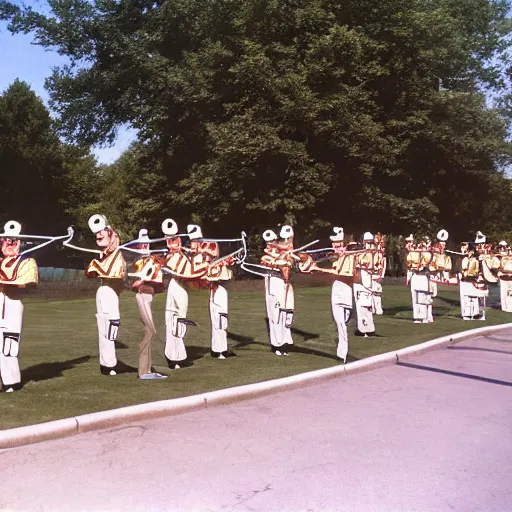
370	115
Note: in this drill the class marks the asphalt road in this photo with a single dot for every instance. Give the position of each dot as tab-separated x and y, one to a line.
431	434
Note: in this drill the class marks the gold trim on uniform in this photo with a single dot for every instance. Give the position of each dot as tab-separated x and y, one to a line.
108	266
18	272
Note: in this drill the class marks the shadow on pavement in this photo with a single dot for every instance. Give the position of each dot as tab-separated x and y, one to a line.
455	374
482	349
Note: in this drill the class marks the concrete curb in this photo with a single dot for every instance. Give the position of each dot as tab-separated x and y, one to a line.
21	436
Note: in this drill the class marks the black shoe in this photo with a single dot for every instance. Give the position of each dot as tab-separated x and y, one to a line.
106	370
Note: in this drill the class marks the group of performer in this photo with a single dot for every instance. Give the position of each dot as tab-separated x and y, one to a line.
477	264
356	268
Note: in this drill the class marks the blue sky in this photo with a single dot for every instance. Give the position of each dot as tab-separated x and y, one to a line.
32	64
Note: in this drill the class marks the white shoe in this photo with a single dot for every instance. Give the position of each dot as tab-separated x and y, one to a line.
278	353
113	372
285	354
9	390
177	367
365	336
417	321
222	357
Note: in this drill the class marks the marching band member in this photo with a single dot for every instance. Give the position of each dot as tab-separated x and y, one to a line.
441	265
17	272
379	276
280	292
149	279
218	272
110	268
341	293
476	271
505	276
183	264
419	259
367	264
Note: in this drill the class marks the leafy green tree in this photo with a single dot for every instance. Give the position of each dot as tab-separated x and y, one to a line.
368	115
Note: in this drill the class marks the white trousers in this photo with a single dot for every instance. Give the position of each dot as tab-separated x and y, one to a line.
176	307
108	318
11	318
364	308
280	306
506	295
341	304
219	318
421	298
377	298
472	300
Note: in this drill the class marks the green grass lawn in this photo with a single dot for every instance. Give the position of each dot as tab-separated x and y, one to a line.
59	349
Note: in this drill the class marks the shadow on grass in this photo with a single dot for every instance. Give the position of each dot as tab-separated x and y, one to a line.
241	340
120	344
125	368
306	336
47	371
195	352
312	352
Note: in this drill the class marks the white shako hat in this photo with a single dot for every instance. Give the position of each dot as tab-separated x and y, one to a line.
286	232
194	231
368	237
480	238
503	243
143	235
12	229
410	238
442	235
269	235
97	222
169	227
338	236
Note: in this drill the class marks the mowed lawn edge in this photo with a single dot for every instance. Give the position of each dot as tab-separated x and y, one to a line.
59	349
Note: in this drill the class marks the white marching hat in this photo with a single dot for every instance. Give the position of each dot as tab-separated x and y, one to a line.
286	232
368	237
442	235
169	227
194	231
12	228
97	222
480	238
143	235
410	238
338	235
269	235
503	243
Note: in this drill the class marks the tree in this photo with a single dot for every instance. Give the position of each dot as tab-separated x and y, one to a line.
304	111
30	152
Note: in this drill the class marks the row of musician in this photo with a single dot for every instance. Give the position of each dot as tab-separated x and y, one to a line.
357	270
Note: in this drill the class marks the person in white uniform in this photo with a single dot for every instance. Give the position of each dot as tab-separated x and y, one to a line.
110	269
341	293
505	276
17	273
419	259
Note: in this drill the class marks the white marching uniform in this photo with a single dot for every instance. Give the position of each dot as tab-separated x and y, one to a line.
108	318
341	304
176	307
10	327
365	305
472	300
421	297
219	319
16	273
280	308
506	295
